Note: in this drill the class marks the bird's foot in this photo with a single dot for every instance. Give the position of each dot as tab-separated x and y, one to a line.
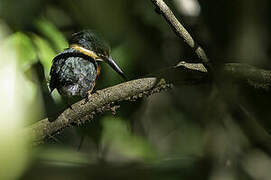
67	102
70	106
87	98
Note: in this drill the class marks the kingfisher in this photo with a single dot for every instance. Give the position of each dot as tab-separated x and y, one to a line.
75	70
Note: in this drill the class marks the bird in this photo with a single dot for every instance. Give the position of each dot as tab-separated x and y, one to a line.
75	70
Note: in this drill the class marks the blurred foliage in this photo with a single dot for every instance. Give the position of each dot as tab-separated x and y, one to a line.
34	48
15	107
182	134
45	53
53	34
118	138
25	50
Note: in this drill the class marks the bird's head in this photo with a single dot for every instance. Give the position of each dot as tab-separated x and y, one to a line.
90	44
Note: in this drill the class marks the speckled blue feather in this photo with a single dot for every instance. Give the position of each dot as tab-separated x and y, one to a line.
73	74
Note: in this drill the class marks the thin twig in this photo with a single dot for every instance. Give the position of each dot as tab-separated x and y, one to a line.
182	33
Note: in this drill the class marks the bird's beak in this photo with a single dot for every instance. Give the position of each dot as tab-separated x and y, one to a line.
112	63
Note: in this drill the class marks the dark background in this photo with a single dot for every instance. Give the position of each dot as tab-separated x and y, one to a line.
179	134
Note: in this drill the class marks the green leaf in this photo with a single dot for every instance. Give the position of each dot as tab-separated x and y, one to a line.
53	34
24	49
45	53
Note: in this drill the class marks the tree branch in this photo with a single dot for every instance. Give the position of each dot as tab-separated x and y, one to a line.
257	78
99	102
108	99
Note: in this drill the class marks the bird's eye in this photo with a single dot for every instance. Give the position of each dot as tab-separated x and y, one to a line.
106	54
101	56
